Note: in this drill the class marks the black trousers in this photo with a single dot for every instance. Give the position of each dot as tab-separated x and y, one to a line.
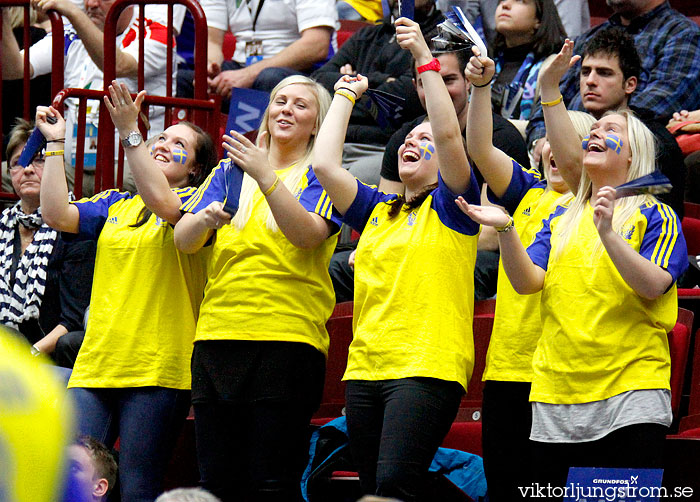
395	427
252	404
635	446
505	435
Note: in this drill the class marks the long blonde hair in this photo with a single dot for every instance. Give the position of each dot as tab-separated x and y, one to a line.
643	150
293	177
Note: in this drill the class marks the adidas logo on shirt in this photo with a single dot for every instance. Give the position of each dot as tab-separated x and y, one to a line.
526	211
411	219
374	222
112	219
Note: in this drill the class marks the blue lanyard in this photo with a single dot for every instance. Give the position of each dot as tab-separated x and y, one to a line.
514	91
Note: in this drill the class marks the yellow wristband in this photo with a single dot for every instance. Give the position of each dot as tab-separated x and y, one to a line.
272	187
346	94
52	153
553	103
505	228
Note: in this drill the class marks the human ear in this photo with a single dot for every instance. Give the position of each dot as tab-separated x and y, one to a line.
630	85
100	488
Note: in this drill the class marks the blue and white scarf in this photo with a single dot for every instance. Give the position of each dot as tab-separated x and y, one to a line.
23	301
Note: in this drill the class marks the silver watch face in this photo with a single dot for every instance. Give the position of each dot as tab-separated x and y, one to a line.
133	139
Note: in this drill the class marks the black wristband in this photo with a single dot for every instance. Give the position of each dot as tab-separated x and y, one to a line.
349	90
57	140
484	85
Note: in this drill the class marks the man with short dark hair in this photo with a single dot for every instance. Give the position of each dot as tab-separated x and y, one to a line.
667	42
93	467
610	71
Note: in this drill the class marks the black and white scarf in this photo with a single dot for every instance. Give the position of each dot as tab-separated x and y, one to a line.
22	302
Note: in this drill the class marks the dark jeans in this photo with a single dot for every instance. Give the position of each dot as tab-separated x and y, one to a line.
265	81
147	421
505	435
253	402
635	446
395	427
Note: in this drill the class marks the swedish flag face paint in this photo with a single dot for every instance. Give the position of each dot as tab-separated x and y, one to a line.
584	143
153	150
614	142
427	150
179	156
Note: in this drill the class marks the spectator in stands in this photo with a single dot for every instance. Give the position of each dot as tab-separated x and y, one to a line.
273	40
527	32
131	379
45	281
610	72
39	88
373	52
505	137
574	15
408	364
692	160
507	415
84	61
600	389
667	42
259	354
187	495
360	10
93	467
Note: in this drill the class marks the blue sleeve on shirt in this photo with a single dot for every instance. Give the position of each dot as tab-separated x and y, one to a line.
315	200
521	182
368	196
663	243
94	211
212	189
542	243
449	212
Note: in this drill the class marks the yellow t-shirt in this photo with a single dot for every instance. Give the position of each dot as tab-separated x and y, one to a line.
517	324
371	10
414	288
599	337
36	425
260	286
145	298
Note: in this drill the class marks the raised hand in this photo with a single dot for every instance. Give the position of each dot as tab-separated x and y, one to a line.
551	74
480	69
123	110
249	156
357	85
409	37
490	216
50	123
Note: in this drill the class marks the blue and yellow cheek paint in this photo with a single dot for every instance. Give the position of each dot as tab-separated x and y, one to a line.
612	141
427	150
180	156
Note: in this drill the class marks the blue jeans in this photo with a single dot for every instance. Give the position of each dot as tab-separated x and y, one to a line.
146	420
395	427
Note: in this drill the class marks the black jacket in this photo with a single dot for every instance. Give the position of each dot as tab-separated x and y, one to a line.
374	53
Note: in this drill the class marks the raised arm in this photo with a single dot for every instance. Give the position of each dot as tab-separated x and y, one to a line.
647	279
563	138
454	166
150	181
12	61
195	229
302	228
91	36
340	185
56	211
524	275
494	165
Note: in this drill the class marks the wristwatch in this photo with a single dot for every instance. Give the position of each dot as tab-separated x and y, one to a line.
434	65
132	140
